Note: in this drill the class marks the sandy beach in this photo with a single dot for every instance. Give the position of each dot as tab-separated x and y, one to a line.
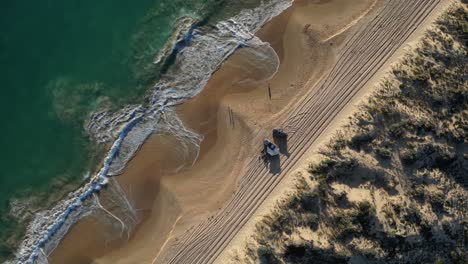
184	194
236	246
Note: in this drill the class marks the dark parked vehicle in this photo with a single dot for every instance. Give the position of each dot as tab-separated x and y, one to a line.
279	133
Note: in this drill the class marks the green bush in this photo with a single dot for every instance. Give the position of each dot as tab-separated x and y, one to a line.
409	155
362	139
384	152
437	200
267	255
365	215
413	215
459	255
323	167
344	224
397	130
308	201
310	220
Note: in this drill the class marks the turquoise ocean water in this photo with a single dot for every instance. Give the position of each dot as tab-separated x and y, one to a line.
60	60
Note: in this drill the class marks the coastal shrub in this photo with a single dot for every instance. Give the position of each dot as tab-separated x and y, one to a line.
423	126
265	234
428	155
413	215
409	154
449	231
426	230
292	202
283	222
397	208
267	255
304	253
417	191
339	142
459	255
387	209
342	200
344	167
322	167
323	189
365	215
272	227
295	251
397	130
445	155
384	152
329	169
362	139
308	201
437	200
344	223
357	220
310	220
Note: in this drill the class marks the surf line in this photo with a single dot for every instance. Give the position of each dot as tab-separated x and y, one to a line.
98	183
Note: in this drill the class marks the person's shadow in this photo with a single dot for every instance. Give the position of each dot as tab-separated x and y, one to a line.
265	159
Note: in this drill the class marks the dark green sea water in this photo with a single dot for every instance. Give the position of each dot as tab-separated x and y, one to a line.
59	60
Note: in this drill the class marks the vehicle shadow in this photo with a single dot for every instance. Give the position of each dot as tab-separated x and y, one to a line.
265	159
275	164
282	144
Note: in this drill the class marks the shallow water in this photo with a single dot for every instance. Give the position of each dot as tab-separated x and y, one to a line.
59	61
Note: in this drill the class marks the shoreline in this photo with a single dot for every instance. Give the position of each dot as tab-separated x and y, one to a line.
174	198
72	208
190	185
183	27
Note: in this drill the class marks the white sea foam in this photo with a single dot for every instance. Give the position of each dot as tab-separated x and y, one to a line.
182	29
129	127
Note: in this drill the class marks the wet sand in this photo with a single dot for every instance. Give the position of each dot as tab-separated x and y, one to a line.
234	113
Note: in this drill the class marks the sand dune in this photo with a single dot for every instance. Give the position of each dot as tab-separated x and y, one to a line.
328	50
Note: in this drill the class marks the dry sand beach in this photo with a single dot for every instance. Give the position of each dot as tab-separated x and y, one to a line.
236	248
190	203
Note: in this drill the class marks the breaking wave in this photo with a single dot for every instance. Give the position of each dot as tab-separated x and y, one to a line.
199	54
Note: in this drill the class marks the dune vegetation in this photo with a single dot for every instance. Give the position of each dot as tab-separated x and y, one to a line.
391	186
